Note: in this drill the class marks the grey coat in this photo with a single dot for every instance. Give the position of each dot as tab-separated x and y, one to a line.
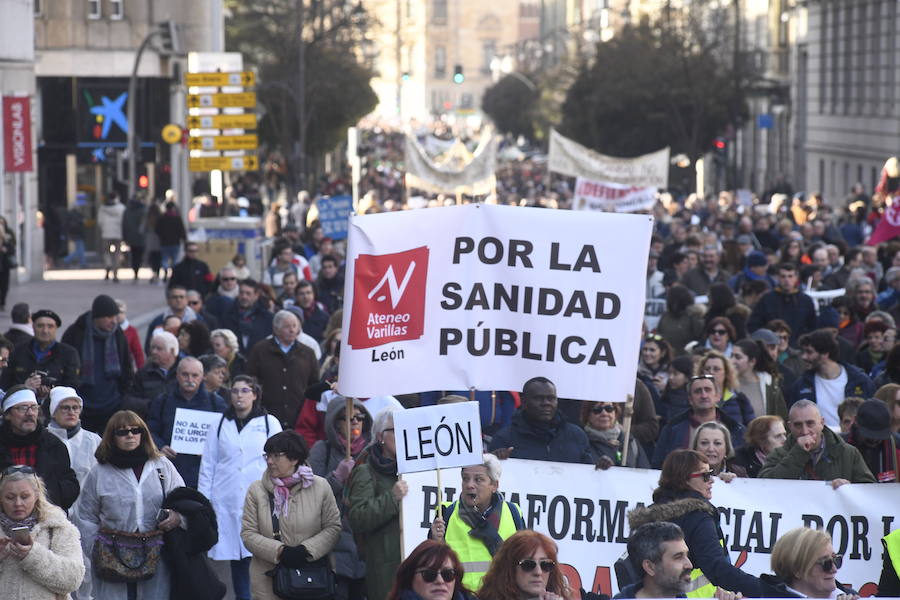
323	459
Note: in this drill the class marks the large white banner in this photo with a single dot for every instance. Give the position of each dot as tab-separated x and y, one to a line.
568	157
476	177
612	197
487	297
584	511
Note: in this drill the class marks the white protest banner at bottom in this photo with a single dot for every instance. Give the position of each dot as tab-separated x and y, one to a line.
612	197
438	437
190	429
585	510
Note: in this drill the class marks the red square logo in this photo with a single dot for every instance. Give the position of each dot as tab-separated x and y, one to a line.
388	298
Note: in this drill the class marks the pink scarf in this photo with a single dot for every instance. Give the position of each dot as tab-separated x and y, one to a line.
282	492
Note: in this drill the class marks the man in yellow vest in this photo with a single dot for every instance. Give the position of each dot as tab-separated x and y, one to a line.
477	524
889	584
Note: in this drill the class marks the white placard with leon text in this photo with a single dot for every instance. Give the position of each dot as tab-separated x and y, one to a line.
438	437
191	428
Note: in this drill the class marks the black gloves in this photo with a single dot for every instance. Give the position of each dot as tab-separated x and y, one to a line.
295	557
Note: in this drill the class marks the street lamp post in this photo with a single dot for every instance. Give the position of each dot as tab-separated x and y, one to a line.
301	98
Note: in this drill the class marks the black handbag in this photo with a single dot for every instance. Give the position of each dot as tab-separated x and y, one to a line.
314	581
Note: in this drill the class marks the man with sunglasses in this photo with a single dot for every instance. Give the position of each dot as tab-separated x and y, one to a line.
195	303
813	451
25	441
177	305
220	300
703	396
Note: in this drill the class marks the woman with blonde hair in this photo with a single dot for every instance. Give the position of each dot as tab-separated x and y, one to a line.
225	345
733	403
124	493
805	566
713	440
44	562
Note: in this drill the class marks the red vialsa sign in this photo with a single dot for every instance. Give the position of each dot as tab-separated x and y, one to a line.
17	134
388	298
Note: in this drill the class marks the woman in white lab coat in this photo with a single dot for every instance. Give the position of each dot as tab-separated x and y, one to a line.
232	460
125	492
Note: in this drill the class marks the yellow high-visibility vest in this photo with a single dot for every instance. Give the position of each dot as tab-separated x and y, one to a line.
472	552
892	545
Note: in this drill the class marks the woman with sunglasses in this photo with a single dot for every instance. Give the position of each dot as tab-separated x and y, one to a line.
601	424
431	572
805	566
524	568
328	459
720	334
656	354
731	402
232	460
684	498
125	492
374	493
44	563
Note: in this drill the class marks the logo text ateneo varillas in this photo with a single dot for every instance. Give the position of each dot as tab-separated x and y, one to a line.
388	298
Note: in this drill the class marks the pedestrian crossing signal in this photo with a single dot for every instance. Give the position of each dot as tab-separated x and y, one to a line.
458	76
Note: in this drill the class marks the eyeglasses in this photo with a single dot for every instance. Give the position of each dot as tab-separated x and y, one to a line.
273	455
128	430
704	376
236	391
70	408
18	469
194	302
353	419
228	278
599	409
706	475
719	332
26	408
528	565
833	562
429	575
653	337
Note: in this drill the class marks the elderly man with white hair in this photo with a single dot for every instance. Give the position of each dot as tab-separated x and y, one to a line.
284	367
154	377
24	441
476	524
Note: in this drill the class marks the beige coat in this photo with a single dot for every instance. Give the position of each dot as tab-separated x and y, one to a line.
54	566
313	520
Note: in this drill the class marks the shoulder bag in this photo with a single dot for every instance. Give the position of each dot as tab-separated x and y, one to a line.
124	557
314	581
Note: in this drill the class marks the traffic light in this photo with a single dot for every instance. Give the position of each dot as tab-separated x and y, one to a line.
169	42
720	150
458	76
406	76
143	182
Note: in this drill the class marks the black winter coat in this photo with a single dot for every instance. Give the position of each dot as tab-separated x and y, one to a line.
562	442
62	363
53	465
74	336
185	549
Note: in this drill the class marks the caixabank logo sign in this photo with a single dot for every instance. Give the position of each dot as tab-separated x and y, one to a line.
388	298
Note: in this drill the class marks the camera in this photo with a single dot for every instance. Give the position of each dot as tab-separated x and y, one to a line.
46	380
162	515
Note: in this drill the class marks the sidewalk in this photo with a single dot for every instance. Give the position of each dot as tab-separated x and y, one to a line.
70	292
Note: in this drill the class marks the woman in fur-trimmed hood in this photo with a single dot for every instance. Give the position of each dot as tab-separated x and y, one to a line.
683	497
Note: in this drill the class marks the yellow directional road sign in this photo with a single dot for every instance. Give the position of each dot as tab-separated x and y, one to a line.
243	78
244	121
224	142
224	163
243	99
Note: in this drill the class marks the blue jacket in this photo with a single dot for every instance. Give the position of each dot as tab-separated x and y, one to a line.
162	420
496	412
796	309
560	442
858	384
218	305
699	520
249	328
675	435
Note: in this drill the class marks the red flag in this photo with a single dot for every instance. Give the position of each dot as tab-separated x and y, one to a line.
889	226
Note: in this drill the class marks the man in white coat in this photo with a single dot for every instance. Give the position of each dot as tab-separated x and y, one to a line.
65	423
232	460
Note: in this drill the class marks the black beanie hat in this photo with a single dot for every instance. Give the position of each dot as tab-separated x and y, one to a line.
104	306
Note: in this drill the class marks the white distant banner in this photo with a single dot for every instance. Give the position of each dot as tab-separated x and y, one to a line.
612	197
191	428
438	437
487	297
584	511
568	157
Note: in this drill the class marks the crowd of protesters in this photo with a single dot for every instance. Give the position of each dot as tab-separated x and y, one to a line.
773	356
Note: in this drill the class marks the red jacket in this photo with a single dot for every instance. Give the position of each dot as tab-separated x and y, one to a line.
134	346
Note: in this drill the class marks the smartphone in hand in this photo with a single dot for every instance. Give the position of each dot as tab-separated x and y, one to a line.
21	535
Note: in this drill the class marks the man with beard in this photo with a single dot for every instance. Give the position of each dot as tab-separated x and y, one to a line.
659	556
24	441
190	393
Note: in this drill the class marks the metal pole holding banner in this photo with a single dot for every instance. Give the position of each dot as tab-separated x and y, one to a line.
438	509
626	425
348	412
